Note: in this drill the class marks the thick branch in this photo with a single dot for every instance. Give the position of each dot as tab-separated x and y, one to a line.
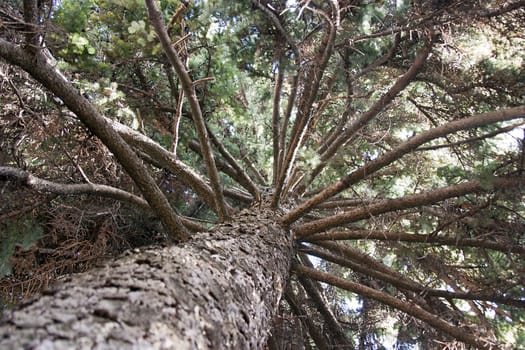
166	160
37	66
196	113
399	151
24	178
416	238
406	202
409	308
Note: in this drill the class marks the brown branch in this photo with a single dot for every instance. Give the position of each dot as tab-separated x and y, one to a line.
314	294
408	308
472	139
349	132
286	120
225	167
37	66
165	159
313	79
246	181
250	164
278	25
502	9
381	60
340	254
399	151
299	310
416	238
196	112
25	179
276	131
406	202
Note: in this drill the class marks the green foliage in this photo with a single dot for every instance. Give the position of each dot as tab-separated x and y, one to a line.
73	16
22	233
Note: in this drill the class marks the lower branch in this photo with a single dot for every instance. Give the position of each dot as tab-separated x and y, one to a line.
409	308
346	258
299	309
24	178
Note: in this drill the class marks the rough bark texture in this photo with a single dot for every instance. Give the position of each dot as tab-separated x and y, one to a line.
220	290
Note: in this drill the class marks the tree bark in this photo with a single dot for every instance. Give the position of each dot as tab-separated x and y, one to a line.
219	290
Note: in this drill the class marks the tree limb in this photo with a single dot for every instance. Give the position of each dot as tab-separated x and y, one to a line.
313	79
347	258
401	83
409	308
165	159
399	151
415	238
24	178
298	308
402	203
37	66
196	112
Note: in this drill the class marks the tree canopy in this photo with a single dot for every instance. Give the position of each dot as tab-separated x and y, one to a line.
387	136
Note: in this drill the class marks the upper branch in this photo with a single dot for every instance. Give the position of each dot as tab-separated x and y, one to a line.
399	151
279	26
196	112
378	107
313	80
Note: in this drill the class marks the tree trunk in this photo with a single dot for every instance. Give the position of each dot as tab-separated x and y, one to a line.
219	290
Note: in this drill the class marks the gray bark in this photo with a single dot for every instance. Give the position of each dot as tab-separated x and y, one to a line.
219	290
